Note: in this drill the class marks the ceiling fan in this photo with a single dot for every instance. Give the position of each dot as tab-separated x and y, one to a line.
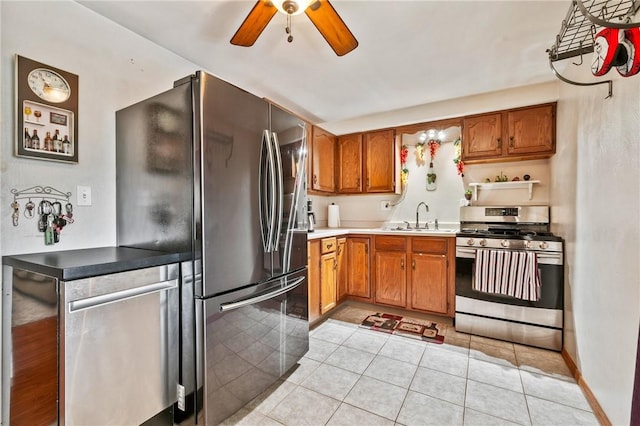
320	12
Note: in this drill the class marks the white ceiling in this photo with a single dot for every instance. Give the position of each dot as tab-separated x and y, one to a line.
410	52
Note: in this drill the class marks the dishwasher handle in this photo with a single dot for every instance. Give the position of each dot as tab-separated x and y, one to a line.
260	298
117	296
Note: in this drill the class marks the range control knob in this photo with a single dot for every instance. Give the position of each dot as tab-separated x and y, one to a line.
527	244
470	242
483	242
543	245
504	243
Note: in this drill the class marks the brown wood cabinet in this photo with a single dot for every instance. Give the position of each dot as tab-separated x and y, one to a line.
510	135
415	273
313	253
341	257
366	162
391	278
349	169
380	159
322	160
323	266
358	282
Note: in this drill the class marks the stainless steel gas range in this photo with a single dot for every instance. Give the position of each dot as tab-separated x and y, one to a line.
510	275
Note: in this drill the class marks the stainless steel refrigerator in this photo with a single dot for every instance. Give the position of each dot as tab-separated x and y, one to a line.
218	174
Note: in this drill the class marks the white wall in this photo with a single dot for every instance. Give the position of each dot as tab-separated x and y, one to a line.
116	68
596	199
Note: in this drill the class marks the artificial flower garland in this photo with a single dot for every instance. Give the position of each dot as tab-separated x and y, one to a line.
457	160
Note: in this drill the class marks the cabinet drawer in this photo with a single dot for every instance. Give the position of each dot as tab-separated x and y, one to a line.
391	243
329	245
429	245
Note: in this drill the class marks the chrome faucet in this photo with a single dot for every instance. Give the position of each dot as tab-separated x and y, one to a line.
426	225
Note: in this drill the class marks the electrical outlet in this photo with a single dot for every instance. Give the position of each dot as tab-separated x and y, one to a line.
181	397
84	195
384	205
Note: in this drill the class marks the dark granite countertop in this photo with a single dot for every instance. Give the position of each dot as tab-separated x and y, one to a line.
76	264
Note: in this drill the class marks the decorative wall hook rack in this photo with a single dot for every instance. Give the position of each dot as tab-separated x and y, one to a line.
52	215
41	192
578	31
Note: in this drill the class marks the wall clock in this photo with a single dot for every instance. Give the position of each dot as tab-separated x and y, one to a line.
46	112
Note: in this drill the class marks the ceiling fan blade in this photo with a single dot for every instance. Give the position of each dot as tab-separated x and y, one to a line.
332	27
254	23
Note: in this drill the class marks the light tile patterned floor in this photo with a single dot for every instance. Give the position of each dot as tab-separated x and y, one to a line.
352	376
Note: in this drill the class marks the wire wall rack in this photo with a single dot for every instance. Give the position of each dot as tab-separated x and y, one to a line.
580	26
44	192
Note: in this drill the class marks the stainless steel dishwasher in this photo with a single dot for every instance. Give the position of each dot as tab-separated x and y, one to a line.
120	346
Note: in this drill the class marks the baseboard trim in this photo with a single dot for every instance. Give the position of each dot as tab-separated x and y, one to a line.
591	398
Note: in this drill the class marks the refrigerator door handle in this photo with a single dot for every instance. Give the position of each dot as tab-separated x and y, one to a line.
280	190
224	307
266	186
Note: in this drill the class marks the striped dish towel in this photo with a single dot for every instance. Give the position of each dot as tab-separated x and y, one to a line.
512	273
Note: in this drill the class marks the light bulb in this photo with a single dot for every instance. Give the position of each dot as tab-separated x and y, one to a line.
440	135
432	133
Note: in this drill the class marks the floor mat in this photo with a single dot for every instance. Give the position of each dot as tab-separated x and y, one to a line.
427	331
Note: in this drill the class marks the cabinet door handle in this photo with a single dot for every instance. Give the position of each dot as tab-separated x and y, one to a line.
358	182
499	140
511	141
315	178
335	264
413	264
402	264
367	183
329	246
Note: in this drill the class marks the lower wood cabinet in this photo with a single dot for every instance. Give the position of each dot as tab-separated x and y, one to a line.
358	283
323	274
429	282
328	267
341	257
391	278
313	254
415	273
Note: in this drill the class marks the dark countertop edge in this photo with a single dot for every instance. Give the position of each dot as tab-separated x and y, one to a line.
103	261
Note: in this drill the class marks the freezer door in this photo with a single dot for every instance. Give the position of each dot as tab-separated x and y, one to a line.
230	126
250	339
288	136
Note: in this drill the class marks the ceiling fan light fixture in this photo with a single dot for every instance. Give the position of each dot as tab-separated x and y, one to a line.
291	7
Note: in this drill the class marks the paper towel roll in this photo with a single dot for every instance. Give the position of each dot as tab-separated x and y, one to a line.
333	218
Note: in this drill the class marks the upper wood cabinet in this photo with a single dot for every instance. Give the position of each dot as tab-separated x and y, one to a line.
482	136
510	135
532	131
349	170
380	160
366	162
322	160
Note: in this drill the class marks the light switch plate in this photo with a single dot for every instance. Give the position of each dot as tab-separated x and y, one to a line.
84	195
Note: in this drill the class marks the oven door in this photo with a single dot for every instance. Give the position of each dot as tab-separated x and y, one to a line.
551	281
538	323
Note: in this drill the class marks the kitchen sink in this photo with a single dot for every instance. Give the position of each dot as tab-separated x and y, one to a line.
420	230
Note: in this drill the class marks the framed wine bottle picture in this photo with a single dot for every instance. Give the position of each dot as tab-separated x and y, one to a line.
46	112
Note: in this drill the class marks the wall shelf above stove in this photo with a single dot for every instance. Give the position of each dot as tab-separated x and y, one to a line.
527	184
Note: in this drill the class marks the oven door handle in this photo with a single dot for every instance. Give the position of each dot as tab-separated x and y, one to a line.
543	258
